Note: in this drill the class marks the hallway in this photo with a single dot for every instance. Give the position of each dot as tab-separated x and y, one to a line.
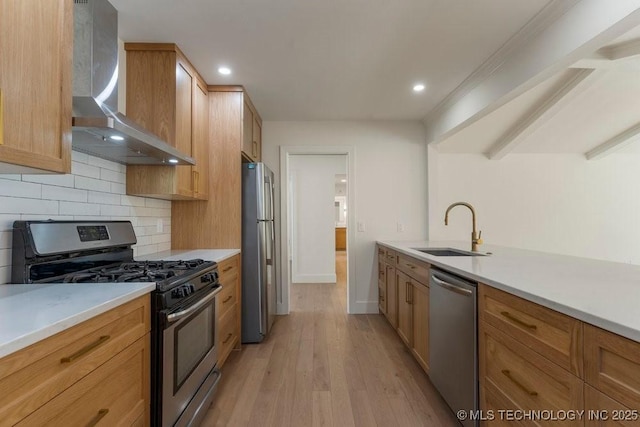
322	367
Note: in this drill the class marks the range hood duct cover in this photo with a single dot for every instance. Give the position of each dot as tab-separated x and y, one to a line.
98	128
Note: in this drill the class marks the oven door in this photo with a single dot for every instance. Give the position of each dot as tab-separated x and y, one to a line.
189	354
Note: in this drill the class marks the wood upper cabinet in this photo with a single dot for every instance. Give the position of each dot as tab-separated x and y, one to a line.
251	132
36	41
167	96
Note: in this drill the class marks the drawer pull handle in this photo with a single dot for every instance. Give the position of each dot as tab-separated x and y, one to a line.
518	321
507	373
86	349
101	414
227	269
226	340
411	266
226	300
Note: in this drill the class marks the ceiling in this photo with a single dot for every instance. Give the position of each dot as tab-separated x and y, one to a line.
587	117
332	59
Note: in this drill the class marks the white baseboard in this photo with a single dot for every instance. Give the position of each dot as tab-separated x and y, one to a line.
314	278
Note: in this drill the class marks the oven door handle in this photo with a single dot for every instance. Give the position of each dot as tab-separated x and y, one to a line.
174	317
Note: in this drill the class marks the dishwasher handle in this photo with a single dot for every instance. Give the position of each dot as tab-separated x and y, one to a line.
441	280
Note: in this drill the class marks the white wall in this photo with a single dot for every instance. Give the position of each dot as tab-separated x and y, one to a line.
313	201
390	183
559	203
95	189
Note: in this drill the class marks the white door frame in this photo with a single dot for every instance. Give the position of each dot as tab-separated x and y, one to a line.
285	153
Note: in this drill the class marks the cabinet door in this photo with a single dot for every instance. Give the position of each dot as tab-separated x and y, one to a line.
392	296
184	117
200	174
247	132
256	148
420	304
405	312
35	84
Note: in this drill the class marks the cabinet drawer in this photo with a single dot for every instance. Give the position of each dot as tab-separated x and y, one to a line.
228	297
417	269
228	333
612	365
554	335
115	394
228	268
612	413
525	379
390	257
31	377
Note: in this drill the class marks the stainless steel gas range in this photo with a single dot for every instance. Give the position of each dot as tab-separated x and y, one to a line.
184	371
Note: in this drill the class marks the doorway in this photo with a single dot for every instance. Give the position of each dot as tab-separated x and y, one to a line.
309	220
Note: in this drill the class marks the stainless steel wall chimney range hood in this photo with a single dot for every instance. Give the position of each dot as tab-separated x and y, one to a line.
98	128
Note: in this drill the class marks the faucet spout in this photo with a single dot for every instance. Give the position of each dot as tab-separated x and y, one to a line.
475	235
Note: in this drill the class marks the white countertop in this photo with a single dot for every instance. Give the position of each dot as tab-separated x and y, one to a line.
30	313
216	255
604	294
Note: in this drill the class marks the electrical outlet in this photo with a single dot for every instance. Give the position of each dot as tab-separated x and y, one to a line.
361	227
160	226
400	227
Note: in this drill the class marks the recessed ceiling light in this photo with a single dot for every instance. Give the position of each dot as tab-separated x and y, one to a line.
418	87
343	180
224	70
116	138
174	161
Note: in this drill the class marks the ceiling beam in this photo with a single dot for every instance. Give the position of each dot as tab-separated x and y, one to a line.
542	111
560	35
614	144
623	50
622	56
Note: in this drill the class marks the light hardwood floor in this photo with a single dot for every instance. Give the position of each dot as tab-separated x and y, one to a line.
323	367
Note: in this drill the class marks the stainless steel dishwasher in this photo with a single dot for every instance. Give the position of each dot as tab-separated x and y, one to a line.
453	356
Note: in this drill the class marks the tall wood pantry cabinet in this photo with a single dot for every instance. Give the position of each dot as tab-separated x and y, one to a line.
36	45
167	96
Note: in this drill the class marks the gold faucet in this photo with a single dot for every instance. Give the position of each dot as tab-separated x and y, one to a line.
475	235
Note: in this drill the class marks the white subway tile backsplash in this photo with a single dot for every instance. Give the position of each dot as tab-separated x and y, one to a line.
104	198
118	188
13	188
75	209
114	210
112	176
86	170
132	201
95	190
16	205
92	184
59	180
106	164
51	192
77	156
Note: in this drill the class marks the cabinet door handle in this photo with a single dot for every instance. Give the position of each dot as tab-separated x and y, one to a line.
254	149
518	321
407	285
224	270
227	299
226	340
100	415
507	373
86	349
197	181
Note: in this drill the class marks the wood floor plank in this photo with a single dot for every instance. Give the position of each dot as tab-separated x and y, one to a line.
323	367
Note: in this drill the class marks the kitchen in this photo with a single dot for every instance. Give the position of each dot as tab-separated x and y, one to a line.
388	153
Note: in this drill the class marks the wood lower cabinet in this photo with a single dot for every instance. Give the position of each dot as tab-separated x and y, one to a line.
405	310
95	371
167	96
36	41
228	313
420	307
603	411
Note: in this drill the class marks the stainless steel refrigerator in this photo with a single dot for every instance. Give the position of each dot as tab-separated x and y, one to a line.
258	252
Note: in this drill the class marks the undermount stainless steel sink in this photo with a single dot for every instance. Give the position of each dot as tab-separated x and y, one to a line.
447	252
